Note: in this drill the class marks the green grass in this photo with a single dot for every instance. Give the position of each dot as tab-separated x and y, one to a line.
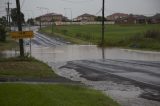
115	35
24	68
51	95
7	45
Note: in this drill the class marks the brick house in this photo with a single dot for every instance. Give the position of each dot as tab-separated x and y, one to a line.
116	16
133	19
51	17
86	18
155	19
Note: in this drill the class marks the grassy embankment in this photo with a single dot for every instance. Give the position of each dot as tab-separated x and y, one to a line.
128	36
24	68
12	94
8	45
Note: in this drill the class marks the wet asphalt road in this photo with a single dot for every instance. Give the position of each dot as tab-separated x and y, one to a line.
42	40
141	71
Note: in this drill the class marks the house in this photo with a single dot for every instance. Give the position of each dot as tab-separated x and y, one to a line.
116	16
86	18
51	17
155	19
140	19
132	19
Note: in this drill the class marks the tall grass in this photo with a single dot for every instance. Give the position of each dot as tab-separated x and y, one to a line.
132	36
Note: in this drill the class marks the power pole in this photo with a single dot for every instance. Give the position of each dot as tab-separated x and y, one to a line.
103	7
102	42
19	23
8	13
40	24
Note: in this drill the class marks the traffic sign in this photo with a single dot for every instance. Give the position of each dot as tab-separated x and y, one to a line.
22	34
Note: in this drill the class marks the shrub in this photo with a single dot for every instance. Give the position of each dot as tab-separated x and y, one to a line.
64	31
153	34
78	35
2	33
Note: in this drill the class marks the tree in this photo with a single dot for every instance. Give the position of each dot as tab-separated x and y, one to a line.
3	24
2	33
3	21
30	21
99	18
14	16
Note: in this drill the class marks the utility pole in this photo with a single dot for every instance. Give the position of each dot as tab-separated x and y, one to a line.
19	23
102	42
103	7
71	13
40	23
8	13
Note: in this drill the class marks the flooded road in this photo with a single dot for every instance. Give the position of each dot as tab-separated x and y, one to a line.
131	77
116	75
87	52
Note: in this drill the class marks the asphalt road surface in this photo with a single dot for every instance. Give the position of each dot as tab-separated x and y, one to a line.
141	71
42	40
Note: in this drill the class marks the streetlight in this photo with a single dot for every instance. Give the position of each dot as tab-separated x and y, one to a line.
70	11
40	16
43	8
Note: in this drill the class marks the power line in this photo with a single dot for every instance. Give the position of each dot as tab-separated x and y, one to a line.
22	4
99	11
81	1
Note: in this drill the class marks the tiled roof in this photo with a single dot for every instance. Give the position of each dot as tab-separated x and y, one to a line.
86	15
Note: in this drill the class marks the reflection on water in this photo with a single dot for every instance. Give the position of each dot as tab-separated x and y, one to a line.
83	52
7	54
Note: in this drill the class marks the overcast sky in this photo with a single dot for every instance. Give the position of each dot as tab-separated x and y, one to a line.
78	7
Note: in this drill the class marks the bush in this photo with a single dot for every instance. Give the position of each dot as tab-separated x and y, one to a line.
78	35
153	34
137	37
64	31
2	33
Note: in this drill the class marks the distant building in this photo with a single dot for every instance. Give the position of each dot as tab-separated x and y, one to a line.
116	16
86	18
51	17
155	19
133	19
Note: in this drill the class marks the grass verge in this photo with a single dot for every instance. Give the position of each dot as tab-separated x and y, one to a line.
24	68
115	35
51	95
7	45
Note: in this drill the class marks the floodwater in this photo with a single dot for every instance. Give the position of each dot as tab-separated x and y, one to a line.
126	94
58	56
87	52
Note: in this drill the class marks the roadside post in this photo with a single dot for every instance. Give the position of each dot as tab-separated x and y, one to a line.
52	23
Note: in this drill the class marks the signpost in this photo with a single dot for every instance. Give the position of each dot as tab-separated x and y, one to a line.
22	34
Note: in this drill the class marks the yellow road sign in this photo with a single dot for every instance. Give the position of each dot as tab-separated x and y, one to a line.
22	34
